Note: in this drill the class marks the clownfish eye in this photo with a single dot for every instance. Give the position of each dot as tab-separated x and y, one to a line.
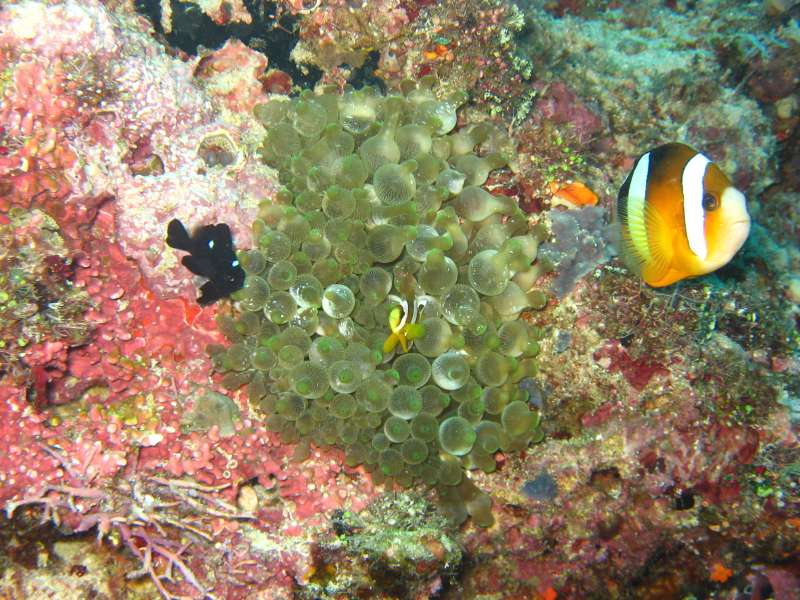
710	202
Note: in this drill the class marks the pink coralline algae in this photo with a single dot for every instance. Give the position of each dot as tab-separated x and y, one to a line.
104	446
706	462
222	12
41	310
116	415
33	151
637	371
560	105
232	74
102	90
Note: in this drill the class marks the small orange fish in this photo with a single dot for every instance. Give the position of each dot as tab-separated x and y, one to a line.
720	573
572	195
678	215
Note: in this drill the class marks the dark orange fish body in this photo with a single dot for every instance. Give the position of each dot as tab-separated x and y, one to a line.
678	216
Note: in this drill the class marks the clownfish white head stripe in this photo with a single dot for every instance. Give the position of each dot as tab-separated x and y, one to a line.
694	216
678	215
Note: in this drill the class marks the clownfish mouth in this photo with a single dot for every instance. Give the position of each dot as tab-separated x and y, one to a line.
735	236
739	227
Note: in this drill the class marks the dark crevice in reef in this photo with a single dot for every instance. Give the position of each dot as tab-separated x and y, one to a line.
273	37
28	542
365	74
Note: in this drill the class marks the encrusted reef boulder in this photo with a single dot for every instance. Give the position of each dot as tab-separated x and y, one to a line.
398	547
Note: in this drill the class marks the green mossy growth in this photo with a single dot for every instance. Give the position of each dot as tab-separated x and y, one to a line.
211	409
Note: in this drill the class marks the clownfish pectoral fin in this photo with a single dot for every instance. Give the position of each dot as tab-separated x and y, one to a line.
662	238
414	331
629	217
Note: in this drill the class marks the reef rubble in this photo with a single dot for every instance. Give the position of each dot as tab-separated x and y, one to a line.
659	454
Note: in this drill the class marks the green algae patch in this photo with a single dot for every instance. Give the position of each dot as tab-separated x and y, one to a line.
211	409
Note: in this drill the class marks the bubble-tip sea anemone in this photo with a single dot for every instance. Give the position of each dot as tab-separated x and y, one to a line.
380	309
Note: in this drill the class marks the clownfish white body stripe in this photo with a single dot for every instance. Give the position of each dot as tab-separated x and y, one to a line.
678	215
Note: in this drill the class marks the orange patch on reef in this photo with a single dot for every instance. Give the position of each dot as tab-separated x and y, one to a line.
190	312
720	573
440	51
548	594
573	195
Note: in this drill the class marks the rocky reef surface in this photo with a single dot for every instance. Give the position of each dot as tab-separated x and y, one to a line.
438	381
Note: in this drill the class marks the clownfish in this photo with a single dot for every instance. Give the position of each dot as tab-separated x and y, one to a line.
403	326
678	215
